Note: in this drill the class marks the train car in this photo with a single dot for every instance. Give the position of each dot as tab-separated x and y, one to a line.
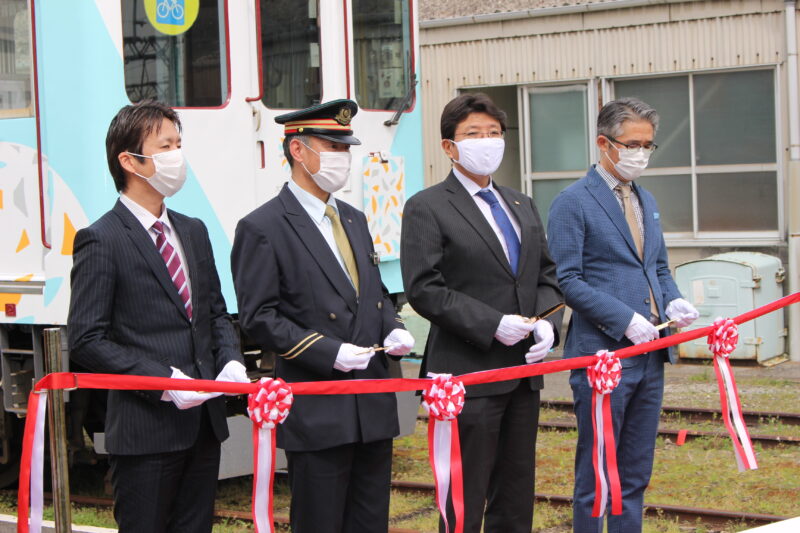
228	67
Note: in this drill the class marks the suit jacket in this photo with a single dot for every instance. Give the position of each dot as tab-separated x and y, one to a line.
296	300
126	317
457	276
603	279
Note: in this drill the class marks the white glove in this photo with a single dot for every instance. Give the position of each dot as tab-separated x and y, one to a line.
351	357
641	330
233	371
682	312
544	337
186	399
512	329
399	342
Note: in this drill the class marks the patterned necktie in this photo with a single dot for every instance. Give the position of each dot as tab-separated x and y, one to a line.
630	217
506	228
173	261
343	244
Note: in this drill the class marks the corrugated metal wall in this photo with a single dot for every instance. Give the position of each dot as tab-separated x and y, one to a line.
650	40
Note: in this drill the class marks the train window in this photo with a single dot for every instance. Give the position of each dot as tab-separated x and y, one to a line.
382	51
15	59
290	53
175	51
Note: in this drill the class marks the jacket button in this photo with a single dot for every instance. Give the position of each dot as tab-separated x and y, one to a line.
332	316
380	305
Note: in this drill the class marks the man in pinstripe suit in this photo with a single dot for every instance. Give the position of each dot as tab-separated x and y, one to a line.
309	290
475	263
605	235
146	301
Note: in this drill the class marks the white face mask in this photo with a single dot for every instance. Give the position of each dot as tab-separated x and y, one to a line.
334	170
170	173
632	162
482	157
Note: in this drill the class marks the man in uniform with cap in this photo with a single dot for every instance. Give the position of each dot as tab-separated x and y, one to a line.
309	290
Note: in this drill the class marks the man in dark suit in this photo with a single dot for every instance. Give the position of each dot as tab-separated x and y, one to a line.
475	263
146	301
309	290
605	236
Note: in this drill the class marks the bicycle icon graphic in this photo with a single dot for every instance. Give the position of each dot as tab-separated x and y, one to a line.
170	12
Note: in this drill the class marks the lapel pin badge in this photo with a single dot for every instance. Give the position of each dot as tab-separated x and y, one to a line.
374	257
516	202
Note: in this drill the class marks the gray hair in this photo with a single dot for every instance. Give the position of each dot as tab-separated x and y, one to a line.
616	112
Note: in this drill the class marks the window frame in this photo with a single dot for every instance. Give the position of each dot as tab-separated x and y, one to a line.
229	82
697	237
29	111
350	65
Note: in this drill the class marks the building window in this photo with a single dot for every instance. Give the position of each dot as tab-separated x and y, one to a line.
291	54
382	52
717	150
15	60
175	52
559	140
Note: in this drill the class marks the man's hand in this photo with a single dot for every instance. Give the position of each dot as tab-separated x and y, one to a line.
186	399
512	329
640	330
351	357
233	371
544	337
398	342
682	312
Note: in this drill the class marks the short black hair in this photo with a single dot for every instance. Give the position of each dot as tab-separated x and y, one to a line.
128	130
460	107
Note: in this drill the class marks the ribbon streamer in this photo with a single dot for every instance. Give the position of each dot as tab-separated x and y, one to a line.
722	342
604	376
443	401
30	490
267	407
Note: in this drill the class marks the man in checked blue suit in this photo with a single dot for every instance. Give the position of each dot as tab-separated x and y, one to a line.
605	236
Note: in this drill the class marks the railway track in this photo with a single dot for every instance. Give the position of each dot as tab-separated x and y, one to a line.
709	517
688	414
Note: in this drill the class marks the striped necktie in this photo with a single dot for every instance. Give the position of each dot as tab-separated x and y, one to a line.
174	266
343	244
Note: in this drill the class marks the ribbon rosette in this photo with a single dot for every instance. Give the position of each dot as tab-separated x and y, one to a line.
443	401
722	341
267	407
604	376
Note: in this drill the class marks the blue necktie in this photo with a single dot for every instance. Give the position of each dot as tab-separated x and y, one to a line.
504	223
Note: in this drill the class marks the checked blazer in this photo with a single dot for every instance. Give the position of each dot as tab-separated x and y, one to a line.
603	279
126	317
296	300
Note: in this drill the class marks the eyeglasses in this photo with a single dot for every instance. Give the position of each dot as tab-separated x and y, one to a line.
648	148
494	134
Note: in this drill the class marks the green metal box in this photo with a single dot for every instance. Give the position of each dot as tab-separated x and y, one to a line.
727	285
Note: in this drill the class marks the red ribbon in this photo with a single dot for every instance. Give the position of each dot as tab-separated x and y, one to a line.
604	376
267	407
67	380
722	342
443	400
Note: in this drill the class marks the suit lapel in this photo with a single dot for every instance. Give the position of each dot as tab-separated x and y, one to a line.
184	233
144	244
357	243
651	237
524	220
598	188
465	205
318	247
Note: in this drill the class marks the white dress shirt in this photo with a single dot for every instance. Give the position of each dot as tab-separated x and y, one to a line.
473	189
146	219
316	210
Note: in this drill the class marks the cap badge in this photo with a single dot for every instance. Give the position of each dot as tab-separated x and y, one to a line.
344	116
